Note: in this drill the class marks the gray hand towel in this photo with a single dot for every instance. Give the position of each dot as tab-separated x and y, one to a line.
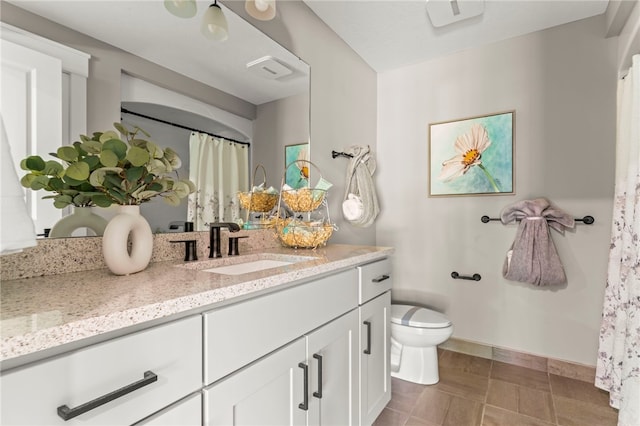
532	257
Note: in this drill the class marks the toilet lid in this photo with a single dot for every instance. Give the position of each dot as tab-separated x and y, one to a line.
415	316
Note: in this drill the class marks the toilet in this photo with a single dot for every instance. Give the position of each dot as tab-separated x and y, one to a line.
415	334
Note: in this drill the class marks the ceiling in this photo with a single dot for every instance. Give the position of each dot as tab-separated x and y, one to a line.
389	34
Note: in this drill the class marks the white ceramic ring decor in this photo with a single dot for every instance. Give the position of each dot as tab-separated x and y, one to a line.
80	217
115	248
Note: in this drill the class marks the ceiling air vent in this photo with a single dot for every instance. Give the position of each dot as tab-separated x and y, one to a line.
269	67
445	12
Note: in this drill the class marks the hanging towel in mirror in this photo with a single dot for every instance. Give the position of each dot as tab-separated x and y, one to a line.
532	257
17	230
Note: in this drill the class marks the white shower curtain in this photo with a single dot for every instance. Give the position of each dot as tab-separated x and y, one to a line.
618	367
220	169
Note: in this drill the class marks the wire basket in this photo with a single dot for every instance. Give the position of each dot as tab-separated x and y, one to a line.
296	233
303	199
258	201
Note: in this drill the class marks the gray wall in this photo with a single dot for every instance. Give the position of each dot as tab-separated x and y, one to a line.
343	99
562	84
273	129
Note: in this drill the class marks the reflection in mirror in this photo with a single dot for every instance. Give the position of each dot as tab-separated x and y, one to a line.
242	66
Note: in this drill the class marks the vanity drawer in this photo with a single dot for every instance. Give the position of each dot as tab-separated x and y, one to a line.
375	279
164	361
238	334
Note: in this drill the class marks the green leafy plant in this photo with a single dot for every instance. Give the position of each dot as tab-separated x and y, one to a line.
103	170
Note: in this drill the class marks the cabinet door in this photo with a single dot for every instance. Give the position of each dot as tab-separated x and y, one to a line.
333	364
375	378
187	412
267	392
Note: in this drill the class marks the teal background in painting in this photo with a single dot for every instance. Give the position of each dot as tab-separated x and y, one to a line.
497	159
293	177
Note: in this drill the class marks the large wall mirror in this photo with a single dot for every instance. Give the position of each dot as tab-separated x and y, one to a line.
273	92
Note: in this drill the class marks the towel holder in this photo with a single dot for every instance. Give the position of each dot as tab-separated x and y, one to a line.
457	276
587	220
335	154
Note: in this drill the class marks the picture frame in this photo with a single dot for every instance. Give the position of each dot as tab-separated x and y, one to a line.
297	172
472	156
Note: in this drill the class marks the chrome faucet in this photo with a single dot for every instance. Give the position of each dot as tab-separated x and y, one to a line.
214	236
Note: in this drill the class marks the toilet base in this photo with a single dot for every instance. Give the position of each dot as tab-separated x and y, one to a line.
417	365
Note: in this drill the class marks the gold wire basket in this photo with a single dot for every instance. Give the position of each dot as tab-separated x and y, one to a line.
303	199
258	201
296	233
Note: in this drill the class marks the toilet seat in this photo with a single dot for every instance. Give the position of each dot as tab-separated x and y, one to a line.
415	316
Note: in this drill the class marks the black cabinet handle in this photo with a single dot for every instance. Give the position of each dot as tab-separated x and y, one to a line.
305	399
381	278
69	413
368	349
319	393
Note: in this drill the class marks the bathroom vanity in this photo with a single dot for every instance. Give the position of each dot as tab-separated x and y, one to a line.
302	343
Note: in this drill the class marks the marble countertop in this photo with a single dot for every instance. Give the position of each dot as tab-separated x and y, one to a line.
41	313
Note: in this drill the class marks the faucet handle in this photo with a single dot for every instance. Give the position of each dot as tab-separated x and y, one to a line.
190	252
233	245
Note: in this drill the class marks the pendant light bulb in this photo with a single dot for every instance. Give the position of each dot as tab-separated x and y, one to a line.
214	24
263	10
181	8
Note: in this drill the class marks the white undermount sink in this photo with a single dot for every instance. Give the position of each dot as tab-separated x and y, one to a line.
245	264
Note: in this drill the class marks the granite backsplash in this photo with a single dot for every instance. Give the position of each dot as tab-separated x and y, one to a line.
63	255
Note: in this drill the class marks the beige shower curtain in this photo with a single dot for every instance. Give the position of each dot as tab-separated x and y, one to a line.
618	367
220	169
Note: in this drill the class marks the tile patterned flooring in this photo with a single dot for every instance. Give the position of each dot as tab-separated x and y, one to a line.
476	391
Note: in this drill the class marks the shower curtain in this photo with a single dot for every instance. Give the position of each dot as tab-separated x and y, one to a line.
618	366
220	169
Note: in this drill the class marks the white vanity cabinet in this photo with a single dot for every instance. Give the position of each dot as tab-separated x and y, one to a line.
307	353
374	312
311	376
187	412
120	381
311	381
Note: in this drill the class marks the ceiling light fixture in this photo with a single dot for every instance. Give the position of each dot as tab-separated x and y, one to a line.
214	24
263	10
181	8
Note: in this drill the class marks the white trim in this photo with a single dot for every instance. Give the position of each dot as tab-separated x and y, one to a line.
629	41
73	61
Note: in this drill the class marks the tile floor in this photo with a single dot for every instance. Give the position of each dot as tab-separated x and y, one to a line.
480	392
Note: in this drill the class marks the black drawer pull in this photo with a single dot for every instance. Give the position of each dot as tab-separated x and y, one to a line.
381	278
304	405
69	413
368	349
319	393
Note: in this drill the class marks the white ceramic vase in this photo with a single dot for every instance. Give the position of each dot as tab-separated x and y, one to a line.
121	259
80	217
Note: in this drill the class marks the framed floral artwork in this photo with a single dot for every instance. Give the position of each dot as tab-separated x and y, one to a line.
296	159
472	156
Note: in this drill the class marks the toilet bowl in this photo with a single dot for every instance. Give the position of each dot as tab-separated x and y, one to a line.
415	334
